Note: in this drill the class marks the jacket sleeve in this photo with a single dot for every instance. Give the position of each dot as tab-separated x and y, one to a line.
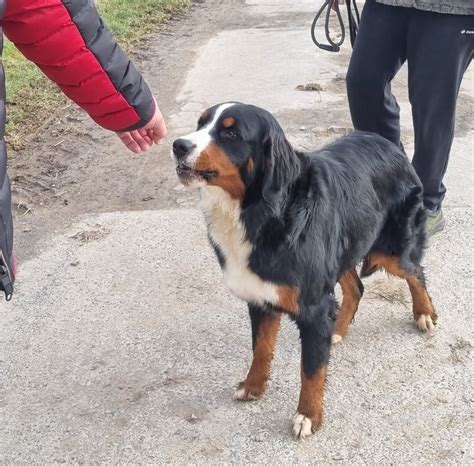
69	42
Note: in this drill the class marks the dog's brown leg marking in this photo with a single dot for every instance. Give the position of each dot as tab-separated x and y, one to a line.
253	387
309	416
351	294
288	299
423	310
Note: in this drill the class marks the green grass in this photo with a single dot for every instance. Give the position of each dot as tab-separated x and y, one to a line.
32	98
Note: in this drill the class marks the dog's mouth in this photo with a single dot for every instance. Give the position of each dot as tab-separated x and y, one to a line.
187	173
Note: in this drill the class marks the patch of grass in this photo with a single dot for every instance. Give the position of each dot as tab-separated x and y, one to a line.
131	20
32	98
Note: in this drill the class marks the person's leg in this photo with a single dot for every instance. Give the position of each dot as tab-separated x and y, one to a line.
7	262
379	52
438	53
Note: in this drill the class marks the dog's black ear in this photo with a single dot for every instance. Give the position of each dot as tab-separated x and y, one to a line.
281	164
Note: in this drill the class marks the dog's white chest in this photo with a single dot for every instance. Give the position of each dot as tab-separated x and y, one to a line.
228	234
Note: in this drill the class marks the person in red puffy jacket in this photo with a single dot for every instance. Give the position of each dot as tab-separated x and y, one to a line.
69	42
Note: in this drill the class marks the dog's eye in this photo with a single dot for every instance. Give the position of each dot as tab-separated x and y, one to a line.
229	133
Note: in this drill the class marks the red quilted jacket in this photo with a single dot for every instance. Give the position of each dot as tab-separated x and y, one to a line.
69	42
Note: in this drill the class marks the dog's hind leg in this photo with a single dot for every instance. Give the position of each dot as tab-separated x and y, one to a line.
352	290
265	326
423	311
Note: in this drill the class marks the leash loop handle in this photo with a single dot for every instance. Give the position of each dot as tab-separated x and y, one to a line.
332	45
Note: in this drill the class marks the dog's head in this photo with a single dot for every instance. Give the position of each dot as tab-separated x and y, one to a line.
236	147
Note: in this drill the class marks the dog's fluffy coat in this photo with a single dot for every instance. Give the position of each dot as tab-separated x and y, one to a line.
287	226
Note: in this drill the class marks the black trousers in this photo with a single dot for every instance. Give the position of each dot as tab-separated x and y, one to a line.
438	49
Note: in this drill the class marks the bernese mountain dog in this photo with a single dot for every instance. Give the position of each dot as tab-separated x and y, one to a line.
287	226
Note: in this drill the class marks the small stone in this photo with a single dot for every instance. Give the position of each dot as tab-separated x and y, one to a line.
340	77
259	438
192	419
75	263
73	118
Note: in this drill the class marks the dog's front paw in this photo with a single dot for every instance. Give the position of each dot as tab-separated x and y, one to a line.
426	323
303	426
246	393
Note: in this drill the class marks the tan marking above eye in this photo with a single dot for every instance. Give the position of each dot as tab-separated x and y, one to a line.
228	122
204	115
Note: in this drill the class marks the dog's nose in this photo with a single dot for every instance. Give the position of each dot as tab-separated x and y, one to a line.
182	147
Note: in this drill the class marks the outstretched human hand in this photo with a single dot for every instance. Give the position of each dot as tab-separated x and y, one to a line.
140	140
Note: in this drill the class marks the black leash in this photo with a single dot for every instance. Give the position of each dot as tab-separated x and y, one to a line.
333	46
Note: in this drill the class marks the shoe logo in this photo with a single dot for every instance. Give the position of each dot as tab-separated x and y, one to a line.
467	31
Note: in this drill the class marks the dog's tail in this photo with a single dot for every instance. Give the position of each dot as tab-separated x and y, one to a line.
403	232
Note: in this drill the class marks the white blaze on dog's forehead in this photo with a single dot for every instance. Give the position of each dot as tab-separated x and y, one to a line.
201	138
216	116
